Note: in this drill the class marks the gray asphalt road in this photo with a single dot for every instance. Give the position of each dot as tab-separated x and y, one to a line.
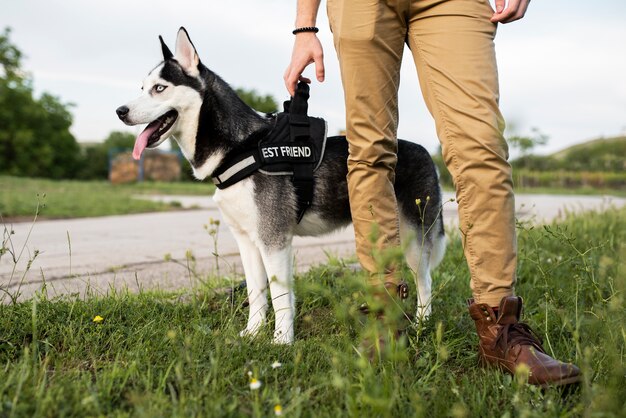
152	250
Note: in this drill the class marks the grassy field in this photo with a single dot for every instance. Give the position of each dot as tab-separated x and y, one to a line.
19	197
162	355
580	191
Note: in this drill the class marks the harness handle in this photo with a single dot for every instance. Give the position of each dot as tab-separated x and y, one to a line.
298	104
299	130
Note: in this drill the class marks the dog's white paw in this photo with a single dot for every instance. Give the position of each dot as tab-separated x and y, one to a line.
283	337
252	330
247	333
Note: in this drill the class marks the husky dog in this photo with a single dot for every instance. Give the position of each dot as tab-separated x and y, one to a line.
185	100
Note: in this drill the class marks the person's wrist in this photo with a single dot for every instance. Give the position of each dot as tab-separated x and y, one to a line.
305	29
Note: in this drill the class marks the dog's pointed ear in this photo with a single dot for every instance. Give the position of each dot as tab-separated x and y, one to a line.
167	54
186	54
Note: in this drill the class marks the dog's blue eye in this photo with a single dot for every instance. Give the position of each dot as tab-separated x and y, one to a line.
159	88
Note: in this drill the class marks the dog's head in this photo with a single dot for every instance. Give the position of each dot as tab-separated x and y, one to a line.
171	98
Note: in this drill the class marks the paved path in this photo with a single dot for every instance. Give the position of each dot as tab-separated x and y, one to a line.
149	250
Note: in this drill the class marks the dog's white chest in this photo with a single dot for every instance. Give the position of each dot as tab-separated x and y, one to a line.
238	206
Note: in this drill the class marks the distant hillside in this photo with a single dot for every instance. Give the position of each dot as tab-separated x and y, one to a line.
602	154
598	146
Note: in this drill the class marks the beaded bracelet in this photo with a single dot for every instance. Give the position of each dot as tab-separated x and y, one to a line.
305	29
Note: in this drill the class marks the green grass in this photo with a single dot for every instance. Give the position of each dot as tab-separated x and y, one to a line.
19	197
581	191
74	199
167	354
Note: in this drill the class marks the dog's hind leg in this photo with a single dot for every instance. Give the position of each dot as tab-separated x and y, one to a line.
418	259
417	254
424	252
279	267
256	282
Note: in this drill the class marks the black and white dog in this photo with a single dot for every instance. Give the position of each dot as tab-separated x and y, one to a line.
183	99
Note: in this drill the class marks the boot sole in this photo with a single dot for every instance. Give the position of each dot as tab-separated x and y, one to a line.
573	380
485	363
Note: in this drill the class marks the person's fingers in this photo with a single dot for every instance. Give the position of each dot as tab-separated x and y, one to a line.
287	80
515	10
521	10
500	5
504	11
319	67
292	75
291	86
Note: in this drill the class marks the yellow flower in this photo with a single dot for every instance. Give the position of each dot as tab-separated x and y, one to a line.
97	319
522	373
278	410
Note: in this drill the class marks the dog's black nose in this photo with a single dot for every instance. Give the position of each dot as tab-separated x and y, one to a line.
122	112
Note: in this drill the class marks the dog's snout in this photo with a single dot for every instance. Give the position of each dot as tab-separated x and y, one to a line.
122	112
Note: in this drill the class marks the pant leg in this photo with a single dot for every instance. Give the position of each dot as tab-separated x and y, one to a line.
452	45
369	39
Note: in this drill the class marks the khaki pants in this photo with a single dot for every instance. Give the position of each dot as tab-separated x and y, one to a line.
452	45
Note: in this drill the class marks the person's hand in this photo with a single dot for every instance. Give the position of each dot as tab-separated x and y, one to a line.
307	49
506	13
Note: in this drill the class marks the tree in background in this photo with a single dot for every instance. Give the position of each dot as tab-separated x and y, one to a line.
265	104
96	156
526	144
10	58
35	139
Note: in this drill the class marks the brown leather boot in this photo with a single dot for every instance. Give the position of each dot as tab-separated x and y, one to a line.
506	343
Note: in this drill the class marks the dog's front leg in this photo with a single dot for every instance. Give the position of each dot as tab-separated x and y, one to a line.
256	283
279	265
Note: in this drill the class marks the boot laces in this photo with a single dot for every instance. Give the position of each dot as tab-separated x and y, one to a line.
510	335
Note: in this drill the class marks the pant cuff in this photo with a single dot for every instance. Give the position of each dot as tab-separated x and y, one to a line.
493	298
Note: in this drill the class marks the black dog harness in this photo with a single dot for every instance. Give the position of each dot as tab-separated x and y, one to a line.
293	147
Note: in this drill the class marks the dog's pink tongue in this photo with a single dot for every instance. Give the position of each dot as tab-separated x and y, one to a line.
142	140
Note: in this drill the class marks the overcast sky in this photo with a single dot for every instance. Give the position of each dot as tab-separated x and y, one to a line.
562	68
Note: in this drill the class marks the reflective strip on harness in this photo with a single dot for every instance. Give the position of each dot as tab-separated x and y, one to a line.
234	169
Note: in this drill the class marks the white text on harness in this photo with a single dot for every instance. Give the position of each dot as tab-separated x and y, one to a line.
285	151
